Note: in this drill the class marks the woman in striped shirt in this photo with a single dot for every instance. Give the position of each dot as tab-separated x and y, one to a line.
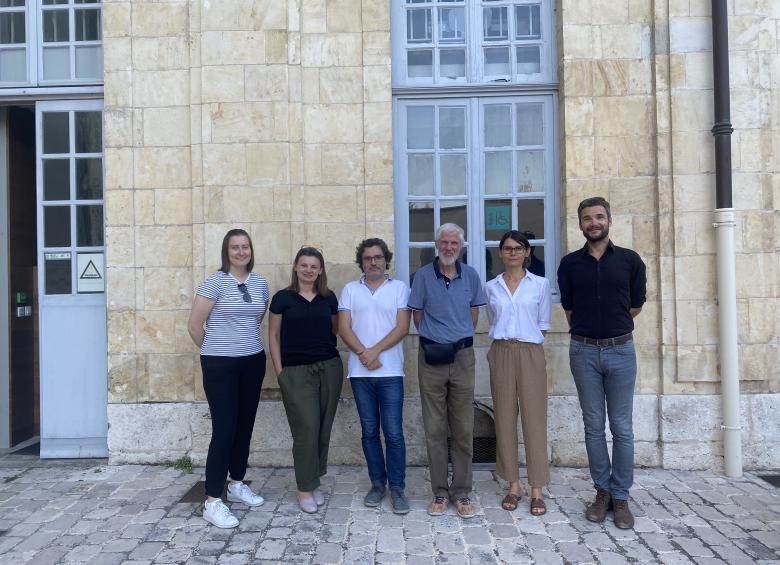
230	304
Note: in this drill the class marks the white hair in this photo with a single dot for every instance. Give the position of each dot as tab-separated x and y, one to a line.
451	228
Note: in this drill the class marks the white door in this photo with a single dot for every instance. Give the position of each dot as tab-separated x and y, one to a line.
71	278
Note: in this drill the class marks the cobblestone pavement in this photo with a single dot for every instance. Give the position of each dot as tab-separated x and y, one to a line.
89	512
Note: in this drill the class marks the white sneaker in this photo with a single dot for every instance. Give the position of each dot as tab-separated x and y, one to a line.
217	513
239	492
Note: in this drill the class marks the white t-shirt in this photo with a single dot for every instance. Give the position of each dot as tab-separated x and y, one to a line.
522	315
374	315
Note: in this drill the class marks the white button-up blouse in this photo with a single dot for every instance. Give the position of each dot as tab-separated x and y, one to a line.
522	315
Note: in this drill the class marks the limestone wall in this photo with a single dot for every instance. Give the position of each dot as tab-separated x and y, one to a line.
276	116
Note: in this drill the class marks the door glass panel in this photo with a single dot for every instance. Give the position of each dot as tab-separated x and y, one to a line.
530	171
87	25
529	60
498	218
452	25
528	22
454	174
452	128
419	63
55	132
57	276
56	63
530	124
452	63
498	172
13	65
497	61
493	264
537	260
89	226
418	26
89	179
496	26
530	217
419	127
89	62
419	257
420	221
11	3
421	175
55	26
89	137
12	28
498	125
455	211
56	179
56	226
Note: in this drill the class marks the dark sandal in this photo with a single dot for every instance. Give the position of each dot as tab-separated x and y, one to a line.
510	502
538	507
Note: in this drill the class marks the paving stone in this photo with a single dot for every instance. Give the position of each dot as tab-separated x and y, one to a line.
147	550
271	549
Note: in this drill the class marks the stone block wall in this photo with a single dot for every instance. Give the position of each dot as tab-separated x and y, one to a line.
276	116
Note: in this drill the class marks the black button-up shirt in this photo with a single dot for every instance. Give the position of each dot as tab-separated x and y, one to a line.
601	293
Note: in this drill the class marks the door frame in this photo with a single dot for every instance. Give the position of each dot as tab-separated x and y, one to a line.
5	357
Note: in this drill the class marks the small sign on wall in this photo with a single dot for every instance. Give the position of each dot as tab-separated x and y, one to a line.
90	273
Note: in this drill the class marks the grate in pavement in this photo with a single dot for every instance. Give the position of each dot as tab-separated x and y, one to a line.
198	490
773	480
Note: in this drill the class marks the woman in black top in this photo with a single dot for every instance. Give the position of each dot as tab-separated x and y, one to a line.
302	340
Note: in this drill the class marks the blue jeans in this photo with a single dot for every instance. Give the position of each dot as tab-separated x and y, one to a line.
605	378
381	400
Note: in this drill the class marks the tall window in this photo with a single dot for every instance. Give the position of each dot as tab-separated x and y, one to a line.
50	42
475	129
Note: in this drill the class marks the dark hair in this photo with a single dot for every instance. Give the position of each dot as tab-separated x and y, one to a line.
520	238
225	268
593	201
373	242
321	284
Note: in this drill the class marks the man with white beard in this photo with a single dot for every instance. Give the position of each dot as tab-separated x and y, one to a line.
445	299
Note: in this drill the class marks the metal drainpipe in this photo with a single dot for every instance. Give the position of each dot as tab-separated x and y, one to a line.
724	230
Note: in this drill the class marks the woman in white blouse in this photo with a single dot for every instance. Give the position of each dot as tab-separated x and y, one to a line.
519	315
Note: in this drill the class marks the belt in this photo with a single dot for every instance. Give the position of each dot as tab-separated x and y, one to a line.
457	346
605	342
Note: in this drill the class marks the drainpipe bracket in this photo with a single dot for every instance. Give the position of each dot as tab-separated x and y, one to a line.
730	223
730	428
722	128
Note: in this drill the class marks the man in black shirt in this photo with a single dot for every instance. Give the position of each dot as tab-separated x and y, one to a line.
603	288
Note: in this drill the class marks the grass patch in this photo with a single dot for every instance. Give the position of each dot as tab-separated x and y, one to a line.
11	478
183	463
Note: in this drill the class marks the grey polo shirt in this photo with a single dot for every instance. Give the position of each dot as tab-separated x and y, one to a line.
446	304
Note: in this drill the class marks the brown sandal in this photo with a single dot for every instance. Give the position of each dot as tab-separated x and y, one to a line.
510	502
538	507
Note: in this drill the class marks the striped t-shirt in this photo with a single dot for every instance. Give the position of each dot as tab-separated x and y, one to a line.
233	326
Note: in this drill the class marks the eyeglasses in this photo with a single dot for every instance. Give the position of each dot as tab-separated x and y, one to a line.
245	293
511	249
374	259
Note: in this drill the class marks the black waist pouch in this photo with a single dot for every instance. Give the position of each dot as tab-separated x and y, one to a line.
442	353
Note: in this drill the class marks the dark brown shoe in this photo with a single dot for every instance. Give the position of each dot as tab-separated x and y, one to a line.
623	517
597	511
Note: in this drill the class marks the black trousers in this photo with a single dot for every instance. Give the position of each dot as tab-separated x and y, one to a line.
232	386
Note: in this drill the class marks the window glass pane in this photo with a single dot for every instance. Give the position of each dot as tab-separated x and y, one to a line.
56	226
88	1
529	60
454	211
56	179
528	22
11	3
87	25
452	128
56	63
13	65
498	218
530	171
12	28
55	26
55	132
452	63
493	264
498	125
47	2
89	226
419	257
57	277
89	138
498	172
420	221
419	127
496	61
452	25
530	124
89	179
537	260
530	217
418	26
495	24
89	62
454	174
421	175
419	64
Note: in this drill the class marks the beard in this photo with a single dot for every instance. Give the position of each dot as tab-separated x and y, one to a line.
448	261
597	236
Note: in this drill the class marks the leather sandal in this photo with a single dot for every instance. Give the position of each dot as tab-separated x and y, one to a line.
510	501
538	507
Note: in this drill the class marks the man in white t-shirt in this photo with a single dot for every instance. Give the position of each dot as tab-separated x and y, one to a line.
373	320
